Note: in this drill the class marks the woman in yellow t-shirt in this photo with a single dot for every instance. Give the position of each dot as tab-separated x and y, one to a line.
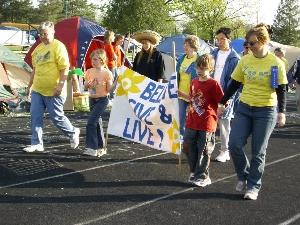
186	70
98	80
262	104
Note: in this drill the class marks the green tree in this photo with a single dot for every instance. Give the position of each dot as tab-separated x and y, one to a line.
124	16
54	10
79	8
50	10
286	25
16	11
206	16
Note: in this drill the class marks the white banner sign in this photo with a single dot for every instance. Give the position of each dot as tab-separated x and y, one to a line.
146	111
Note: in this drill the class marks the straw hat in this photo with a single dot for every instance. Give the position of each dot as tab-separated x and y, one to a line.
149	35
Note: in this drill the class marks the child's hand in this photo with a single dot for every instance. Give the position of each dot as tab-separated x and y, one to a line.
92	83
221	109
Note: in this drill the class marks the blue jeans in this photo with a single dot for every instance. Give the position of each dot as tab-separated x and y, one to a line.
258	122
182	114
54	106
198	146
94	131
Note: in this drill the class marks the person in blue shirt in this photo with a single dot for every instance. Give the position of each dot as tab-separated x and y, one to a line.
226	59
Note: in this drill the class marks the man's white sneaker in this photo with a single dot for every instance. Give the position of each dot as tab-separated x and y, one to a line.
90	152
202	182
251	195
101	152
74	141
191	178
223	156
33	148
241	185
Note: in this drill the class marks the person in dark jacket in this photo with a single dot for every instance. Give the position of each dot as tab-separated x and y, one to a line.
294	81
226	60
149	61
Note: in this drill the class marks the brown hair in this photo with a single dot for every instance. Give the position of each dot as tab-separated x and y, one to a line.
205	60
118	37
261	33
101	54
224	30
193	41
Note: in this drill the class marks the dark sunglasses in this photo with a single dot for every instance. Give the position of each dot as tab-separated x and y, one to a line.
252	43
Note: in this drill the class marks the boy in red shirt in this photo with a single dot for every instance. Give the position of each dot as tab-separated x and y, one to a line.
201	121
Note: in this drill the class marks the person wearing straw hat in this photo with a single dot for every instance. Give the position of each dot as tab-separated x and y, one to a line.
149	61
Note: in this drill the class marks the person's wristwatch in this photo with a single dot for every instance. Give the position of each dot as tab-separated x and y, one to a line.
62	82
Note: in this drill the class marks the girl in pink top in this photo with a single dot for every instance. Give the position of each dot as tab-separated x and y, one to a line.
98	80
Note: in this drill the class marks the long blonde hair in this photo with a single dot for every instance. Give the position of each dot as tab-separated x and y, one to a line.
142	52
108	34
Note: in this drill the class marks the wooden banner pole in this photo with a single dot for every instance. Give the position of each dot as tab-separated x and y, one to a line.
174	67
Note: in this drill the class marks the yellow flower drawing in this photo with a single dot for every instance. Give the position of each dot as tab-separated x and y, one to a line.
128	82
173	134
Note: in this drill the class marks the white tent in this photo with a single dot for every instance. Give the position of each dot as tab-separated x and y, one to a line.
291	52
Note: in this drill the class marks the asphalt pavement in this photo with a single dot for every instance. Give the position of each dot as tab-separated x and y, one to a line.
137	185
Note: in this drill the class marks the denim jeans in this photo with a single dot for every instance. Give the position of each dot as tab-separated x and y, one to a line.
198	146
298	97
94	131
182	114
258	122
54	106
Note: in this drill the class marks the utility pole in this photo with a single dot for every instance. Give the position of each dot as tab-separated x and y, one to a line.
66	4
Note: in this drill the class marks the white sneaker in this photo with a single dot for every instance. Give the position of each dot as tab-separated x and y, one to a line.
33	148
223	156
251	195
202	182
181	139
74	141
90	152
241	185
191	178
101	152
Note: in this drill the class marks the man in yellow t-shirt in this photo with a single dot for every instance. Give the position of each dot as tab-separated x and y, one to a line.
50	68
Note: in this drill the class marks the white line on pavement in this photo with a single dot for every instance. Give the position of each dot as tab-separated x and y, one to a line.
80	171
168	196
291	220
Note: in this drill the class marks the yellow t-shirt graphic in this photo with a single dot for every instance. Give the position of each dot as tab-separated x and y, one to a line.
255	74
47	61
